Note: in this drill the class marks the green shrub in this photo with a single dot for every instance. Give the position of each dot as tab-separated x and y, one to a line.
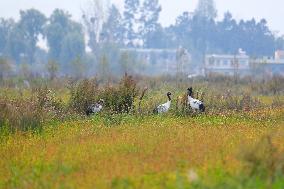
83	94
20	115
29	114
120	99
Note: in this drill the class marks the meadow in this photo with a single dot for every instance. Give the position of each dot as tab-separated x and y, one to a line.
46	140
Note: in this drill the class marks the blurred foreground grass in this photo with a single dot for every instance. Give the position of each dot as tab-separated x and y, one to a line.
126	151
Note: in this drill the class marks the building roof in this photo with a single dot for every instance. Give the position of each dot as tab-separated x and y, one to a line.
149	50
267	61
226	56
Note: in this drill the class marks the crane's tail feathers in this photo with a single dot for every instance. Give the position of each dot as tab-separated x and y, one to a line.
202	107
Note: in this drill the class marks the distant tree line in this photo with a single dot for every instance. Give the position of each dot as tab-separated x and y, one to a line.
65	38
199	31
105	28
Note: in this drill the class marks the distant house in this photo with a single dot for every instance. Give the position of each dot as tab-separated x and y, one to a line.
279	55
243	65
268	65
160	61
276	68
227	64
152	56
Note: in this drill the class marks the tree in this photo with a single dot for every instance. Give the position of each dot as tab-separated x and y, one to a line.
203	34
159	38
204	31
73	47
265	46
94	17
150	12
31	24
17	43
206	9
227	34
183	29
131	11
256	38
112	30
280	43
65	38
6	27
58	26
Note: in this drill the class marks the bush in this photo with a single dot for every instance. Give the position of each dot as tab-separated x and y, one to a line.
29	114
275	85
20	115
120	99
229	101
83	94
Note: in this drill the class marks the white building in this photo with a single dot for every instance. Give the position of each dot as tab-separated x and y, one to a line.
279	55
160	61
242	65
227	64
268	65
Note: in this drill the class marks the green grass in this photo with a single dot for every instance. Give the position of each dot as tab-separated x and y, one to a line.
45	143
126	151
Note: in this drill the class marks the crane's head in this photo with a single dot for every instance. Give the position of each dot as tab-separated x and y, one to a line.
101	101
189	91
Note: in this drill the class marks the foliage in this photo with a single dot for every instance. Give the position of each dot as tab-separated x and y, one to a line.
73	47
65	37
130	16
149	152
138	26
45	143
94	16
149	20
55	31
29	114
201	34
275	84
31	24
5	28
120	99
206	9
16	46
112	29
83	94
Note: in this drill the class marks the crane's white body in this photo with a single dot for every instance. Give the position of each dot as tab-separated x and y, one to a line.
194	103
163	108
96	108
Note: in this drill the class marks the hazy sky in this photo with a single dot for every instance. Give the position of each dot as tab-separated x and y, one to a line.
271	10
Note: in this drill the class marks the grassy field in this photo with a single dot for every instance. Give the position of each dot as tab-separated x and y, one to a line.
232	145
145	152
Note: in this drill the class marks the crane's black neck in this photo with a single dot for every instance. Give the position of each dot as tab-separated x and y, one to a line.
189	93
169	97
